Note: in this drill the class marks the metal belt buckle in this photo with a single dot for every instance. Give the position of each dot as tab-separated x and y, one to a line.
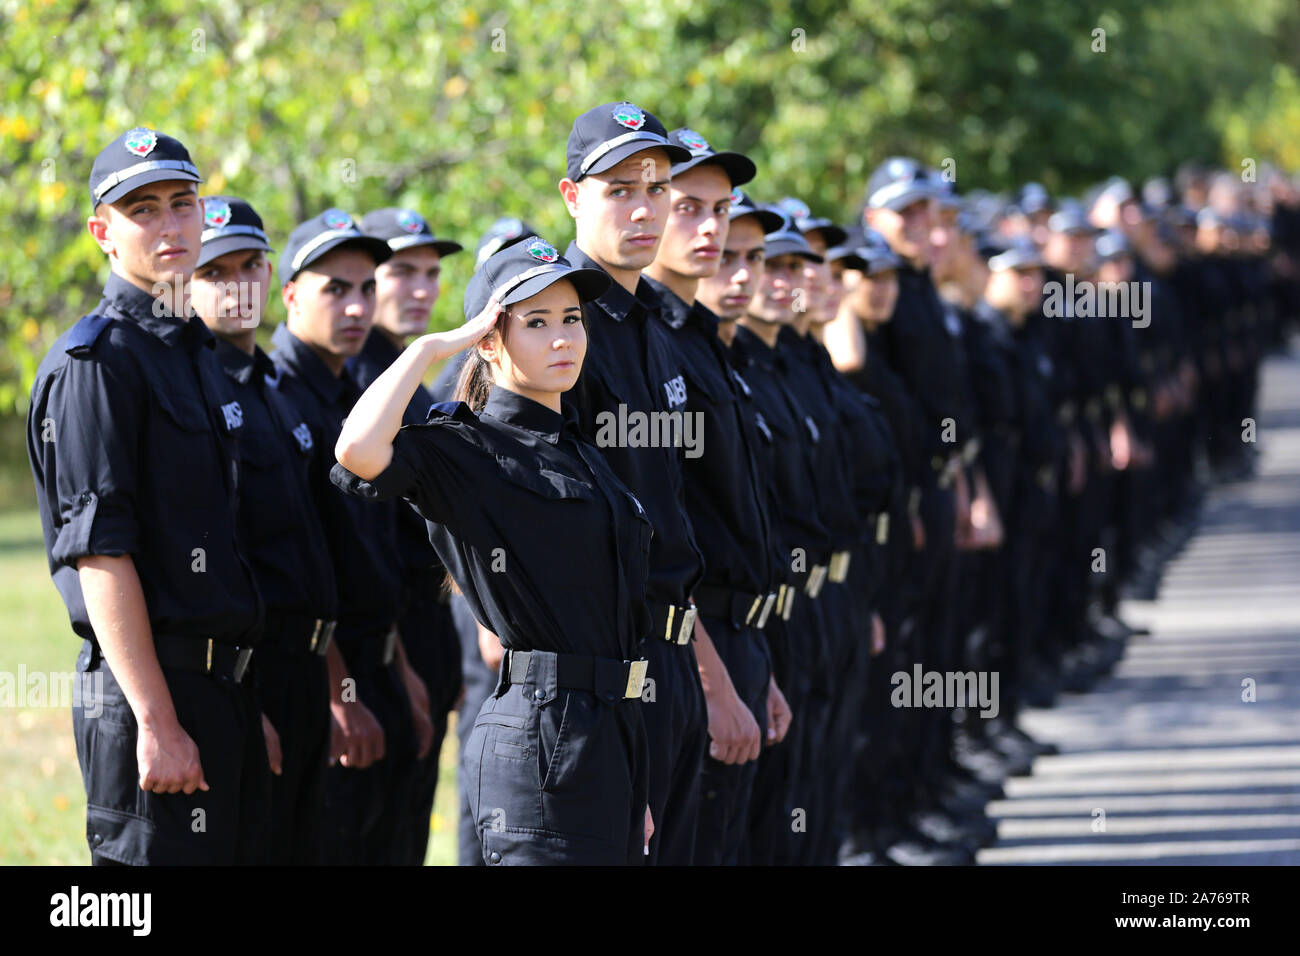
322	637
882	528
789	603
753	608
839	569
816	577
635	678
688	626
315	634
208	666
242	657
668	625
390	645
768	602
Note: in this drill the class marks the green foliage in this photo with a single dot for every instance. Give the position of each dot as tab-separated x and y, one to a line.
463	113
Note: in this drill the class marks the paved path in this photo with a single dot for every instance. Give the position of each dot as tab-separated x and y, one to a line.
1185	770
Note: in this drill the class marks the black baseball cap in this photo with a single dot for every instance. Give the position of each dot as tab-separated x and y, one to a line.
897	183
404	229
603	137
788	240
742	205
1019	252
944	191
136	158
506	231
874	248
739	168
798	212
524	269
1112	244
325	233
1033	198
1072	218
230	225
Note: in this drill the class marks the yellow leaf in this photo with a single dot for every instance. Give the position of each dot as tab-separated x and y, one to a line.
60	802
469	20
30	330
455	86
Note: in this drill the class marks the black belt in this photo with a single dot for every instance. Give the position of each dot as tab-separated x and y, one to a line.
741	608
202	654
298	632
370	652
672	623
580	672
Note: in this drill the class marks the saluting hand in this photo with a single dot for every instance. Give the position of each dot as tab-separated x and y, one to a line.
168	760
440	345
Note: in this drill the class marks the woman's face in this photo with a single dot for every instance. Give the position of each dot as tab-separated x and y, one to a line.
544	343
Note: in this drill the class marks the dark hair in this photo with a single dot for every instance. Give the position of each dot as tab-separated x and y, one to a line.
475	378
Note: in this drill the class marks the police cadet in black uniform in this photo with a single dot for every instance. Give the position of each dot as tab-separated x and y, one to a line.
327	274
725	497
550	550
616	189
133	438
406	289
280	529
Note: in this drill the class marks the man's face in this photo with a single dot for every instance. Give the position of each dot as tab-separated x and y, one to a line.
1069	251
154	233
943	236
727	293
1119	269
229	292
696	228
871	297
1015	291
907	231
331	303
817	281
620	213
782	291
406	288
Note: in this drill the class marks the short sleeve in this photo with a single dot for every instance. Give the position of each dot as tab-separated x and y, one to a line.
421	471
88	434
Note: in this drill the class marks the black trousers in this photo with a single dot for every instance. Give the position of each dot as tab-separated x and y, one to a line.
676	727
228	824
433	650
557	776
480	682
769	810
726	789
366	809
294	690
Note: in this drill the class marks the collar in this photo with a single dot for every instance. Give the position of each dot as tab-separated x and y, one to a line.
617	302
672	309
514	409
307	365
379	348
241	366
138	306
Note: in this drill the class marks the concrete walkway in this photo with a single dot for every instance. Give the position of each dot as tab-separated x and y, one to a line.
1184	770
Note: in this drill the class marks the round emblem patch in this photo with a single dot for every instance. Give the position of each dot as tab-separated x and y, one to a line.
737	197
140	141
693	140
628	115
336	219
543	250
216	213
795	208
410	221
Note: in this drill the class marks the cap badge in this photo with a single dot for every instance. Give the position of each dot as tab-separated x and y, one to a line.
628	115
216	213
410	221
336	219
737	197
693	140
140	141
795	208
541	249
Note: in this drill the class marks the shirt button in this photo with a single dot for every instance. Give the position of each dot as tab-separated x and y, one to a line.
494	857
86	496
96	840
539	693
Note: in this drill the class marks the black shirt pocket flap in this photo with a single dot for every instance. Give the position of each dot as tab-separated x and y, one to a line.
543	481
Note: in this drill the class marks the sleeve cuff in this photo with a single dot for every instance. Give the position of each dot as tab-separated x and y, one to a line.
89	528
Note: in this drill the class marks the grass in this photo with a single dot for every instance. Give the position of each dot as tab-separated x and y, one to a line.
42	803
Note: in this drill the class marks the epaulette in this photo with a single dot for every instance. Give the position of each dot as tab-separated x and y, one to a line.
83	335
457	410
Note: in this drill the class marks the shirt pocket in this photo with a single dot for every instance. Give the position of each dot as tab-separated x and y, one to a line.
543	481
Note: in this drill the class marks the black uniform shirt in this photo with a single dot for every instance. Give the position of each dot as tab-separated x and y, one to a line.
632	368
549	548
376	355
362	534
132	436
725	496
279	523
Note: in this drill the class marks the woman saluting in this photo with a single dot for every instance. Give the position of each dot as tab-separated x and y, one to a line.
549	549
